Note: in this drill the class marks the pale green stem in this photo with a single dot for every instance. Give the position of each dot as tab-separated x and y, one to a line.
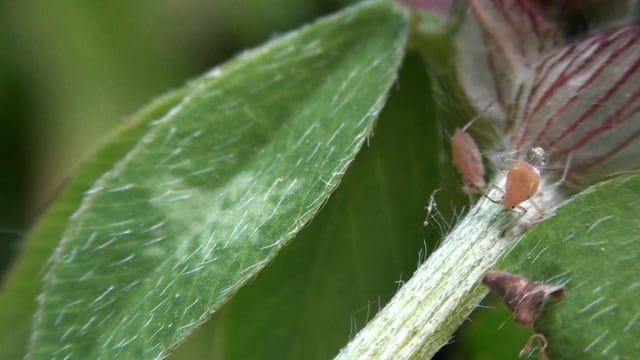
443	291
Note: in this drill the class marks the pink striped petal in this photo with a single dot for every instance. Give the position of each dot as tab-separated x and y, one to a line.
497	48
584	100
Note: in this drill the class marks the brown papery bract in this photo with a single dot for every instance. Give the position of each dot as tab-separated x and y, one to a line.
522	296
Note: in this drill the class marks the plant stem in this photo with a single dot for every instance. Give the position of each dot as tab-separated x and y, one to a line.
425	312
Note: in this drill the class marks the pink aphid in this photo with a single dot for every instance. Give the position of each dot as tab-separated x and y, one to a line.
523	179
467	158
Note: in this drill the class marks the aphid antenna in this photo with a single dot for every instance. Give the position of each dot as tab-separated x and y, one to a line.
503	160
477	116
554	167
565	172
535	156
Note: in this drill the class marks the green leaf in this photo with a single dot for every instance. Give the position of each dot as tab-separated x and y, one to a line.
592	246
216	187
349	261
490	333
17	299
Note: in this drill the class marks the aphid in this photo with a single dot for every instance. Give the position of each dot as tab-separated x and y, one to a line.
467	158
523	179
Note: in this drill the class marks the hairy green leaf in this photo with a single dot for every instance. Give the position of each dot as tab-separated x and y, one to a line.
212	191
351	259
591	245
17	299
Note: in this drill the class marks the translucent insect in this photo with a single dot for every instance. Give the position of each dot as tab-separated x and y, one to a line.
467	158
523	179
431	206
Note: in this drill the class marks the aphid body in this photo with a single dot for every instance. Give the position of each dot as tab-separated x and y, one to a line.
522	183
523	179
467	158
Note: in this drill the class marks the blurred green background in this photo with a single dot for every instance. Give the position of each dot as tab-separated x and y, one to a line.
72	70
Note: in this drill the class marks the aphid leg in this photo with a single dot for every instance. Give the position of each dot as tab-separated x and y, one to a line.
565	172
505	164
508	159
485	195
520	210
540	210
472	188
489	196
535	205
567	166
492	188
542	346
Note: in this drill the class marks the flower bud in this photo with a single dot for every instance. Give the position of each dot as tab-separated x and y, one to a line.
578	101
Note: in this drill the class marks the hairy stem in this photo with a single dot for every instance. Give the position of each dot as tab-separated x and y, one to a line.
426	311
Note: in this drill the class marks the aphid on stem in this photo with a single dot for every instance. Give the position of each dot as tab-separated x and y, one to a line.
467	158
523	180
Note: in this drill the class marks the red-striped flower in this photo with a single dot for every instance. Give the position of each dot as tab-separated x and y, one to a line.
578	99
